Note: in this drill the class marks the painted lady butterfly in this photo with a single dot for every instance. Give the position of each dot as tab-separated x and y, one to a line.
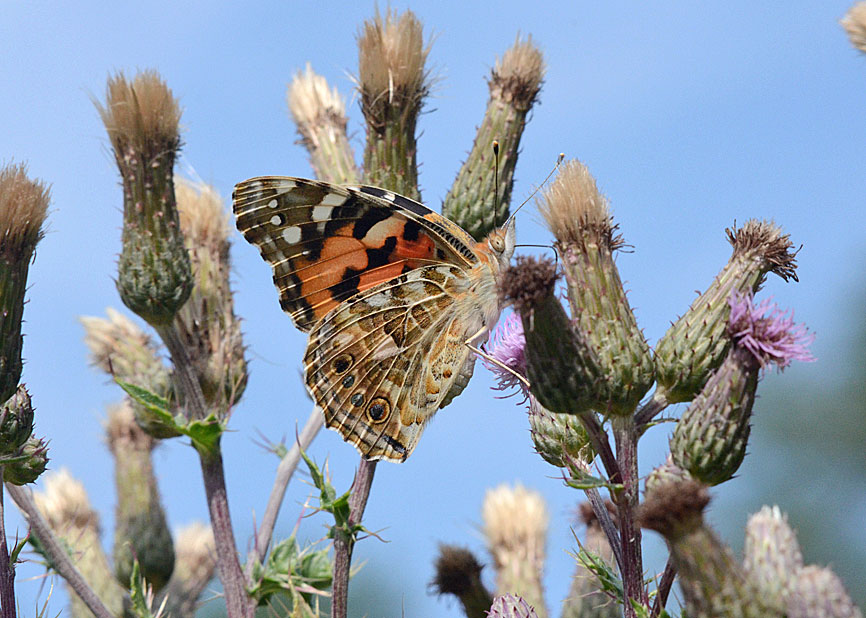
390	291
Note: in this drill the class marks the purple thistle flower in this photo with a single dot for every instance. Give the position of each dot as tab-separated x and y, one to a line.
507	345
769	333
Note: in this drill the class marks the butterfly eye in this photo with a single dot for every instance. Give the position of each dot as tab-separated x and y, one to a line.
379	409
497	244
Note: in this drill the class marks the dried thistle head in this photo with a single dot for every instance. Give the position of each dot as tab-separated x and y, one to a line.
141	115
23	208
516	77
64	503
391	59
854	23
576	211
312	102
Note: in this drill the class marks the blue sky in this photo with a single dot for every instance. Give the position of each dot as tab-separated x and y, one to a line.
690	115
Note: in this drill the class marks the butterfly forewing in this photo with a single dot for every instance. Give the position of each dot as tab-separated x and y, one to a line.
327	243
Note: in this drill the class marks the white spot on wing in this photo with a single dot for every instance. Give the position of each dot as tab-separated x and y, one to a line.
389	196
333	199
322	213
275	220
272	204
285	187
292	234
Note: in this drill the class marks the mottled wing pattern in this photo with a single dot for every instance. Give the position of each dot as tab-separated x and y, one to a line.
327	243
382	364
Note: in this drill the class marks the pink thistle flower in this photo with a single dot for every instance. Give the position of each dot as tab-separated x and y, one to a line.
507	345
767	332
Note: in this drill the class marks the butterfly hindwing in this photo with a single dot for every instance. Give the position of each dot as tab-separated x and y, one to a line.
326	243
382	364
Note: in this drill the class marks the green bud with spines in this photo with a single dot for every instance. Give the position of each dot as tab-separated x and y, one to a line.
586	239
711	580
28	463
711	437
393	83
207	324
141	117
697	342
23	208
319	113
16	421
558	438
141	531
514	83
458	572
561	366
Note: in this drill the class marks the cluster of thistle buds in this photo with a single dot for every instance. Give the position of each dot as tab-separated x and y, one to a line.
587	373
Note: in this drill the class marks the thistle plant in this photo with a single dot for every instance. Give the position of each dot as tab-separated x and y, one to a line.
571	349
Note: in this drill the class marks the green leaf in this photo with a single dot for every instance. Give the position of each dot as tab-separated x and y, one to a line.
138	597
298	572
205	434
153	402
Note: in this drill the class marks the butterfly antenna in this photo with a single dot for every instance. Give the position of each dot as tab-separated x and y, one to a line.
559	161
495	183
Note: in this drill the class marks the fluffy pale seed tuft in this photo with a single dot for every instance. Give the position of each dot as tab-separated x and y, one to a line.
854	23
64	503
311	101
517	76
141	114
203	219
574	208
23	208
515	520
391	57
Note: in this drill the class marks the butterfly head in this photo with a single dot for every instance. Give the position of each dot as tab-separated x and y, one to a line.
500	243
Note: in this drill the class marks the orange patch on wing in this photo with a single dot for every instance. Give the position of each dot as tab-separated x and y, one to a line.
338	254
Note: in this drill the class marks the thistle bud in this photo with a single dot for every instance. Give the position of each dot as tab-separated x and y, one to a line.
124	351
141	117
696	343
854	23
66	509
666	473
141	531
579	218
23	208
207	323
458	572
772	555
515	524
16	421
194	568
319	113
560	439
514	83
711	580
511	606
710	439
29	462
560	364
393	83
819	593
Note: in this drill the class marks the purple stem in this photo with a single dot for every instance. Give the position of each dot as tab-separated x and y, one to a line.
344	543
7	569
